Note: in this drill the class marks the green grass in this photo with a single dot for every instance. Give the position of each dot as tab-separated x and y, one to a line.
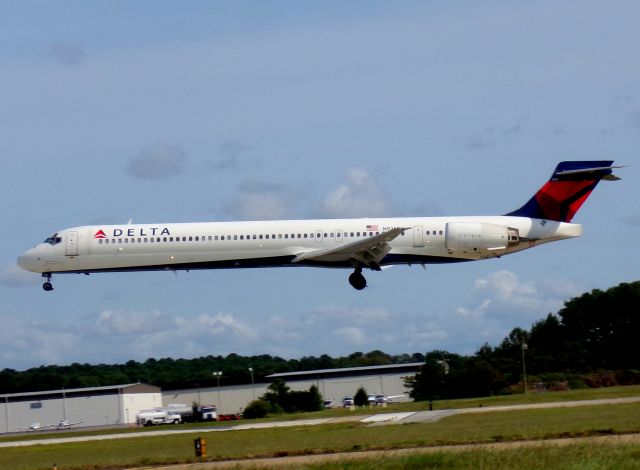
343	437
574	457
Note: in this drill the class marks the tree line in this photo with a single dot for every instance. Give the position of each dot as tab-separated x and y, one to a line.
591	341
173	374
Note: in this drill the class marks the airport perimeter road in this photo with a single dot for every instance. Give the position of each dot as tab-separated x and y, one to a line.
379	419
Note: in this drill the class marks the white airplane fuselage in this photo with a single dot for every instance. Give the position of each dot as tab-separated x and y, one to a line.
368	243
178	246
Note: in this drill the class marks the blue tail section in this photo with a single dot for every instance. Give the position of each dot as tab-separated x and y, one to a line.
570	185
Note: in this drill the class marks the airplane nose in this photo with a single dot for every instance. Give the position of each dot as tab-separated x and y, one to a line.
27	261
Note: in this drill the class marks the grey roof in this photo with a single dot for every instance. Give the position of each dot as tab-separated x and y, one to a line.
373	369
139	386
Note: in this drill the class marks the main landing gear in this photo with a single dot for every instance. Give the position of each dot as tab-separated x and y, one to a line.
47	285
357	280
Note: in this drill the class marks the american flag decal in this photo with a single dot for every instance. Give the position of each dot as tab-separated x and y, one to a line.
372	228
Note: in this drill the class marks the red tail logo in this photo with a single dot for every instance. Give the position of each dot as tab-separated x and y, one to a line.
100	234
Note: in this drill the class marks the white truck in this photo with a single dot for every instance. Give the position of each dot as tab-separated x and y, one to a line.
158	416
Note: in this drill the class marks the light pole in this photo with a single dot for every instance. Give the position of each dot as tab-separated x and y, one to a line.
524	367
218	375
253	388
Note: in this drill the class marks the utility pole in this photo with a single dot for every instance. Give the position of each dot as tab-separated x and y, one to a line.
218	375
524	367
253	388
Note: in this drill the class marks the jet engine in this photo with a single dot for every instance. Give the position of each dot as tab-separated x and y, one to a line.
463	236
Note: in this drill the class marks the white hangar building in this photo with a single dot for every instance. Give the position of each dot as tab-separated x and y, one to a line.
93	406
333	384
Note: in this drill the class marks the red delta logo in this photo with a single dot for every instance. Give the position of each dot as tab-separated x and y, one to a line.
100	234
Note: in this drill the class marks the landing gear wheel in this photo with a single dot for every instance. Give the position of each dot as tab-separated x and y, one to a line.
357	280
47	285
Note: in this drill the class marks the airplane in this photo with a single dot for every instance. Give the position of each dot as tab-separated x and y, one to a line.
36	427
66	424
364	243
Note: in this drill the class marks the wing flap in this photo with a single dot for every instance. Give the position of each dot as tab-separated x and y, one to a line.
368	251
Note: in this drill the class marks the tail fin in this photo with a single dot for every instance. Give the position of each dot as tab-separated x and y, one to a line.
570	185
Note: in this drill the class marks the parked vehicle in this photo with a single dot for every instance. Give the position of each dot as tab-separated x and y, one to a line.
157	416
381	399
347	402
190	414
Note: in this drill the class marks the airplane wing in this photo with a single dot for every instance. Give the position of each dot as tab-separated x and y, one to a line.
367	251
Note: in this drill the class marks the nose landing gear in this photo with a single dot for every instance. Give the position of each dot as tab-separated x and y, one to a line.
47	285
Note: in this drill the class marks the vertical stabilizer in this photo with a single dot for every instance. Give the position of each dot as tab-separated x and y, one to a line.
570	185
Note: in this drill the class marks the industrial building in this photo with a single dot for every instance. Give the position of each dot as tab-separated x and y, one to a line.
333	384
94	406
119	404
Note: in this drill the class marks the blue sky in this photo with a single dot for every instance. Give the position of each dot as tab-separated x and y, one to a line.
198	111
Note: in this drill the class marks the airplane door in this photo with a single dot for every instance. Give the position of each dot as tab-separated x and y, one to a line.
72	244
418	237
338	234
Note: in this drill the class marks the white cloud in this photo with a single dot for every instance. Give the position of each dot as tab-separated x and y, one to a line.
263	201
14	276
158	161
498	302
503	294
27	341
359	196
133	323
351	335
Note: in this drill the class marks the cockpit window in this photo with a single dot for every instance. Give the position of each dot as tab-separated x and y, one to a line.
53	239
